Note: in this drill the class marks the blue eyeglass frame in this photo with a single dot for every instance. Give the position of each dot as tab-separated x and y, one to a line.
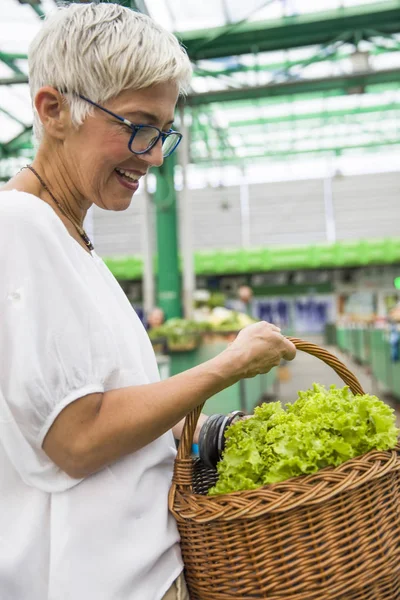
135	128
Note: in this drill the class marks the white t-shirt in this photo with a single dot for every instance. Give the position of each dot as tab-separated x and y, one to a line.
67	330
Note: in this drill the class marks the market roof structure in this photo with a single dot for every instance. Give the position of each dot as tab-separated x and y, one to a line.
273	79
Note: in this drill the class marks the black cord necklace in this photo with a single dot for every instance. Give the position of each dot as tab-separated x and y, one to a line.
79	229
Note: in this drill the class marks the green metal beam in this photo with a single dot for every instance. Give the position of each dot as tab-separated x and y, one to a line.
13	56
220	133
202	130
35	5
287	65
291	32
38	10
8	114
8	60
17	79
16	146
323	115
338	149
138	5
127	3
267	101
343	83
377	50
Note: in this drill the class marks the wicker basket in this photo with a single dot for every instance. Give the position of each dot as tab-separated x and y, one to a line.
331	535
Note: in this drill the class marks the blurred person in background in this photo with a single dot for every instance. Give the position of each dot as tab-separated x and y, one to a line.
245	295
243	302
86	443
156	318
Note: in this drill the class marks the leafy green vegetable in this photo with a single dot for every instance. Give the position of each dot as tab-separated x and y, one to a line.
185	332
323	427
223	319
180	331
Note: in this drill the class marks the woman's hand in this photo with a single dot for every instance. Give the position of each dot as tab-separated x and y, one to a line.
257	349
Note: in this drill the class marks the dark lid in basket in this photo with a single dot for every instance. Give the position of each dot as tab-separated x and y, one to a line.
212	437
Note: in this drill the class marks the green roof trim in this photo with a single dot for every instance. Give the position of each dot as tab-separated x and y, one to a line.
128	267
315	256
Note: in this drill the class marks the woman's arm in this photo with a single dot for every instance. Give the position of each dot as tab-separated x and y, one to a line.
98	429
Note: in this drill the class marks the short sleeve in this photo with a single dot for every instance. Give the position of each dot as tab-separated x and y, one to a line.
54	344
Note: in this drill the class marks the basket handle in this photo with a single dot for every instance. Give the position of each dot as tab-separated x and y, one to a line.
185	445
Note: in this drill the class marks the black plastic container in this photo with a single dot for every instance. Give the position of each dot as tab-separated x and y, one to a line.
212	437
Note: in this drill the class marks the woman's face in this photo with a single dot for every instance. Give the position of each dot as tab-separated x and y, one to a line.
98	149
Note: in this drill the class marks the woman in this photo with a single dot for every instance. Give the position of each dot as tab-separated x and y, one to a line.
86	449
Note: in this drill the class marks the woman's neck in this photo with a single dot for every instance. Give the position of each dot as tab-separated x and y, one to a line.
58	185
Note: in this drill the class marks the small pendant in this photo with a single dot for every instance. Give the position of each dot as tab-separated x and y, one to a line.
87	241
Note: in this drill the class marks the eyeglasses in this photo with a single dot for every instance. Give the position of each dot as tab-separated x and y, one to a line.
145	137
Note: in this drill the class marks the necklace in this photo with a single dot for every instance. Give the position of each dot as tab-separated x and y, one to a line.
79	229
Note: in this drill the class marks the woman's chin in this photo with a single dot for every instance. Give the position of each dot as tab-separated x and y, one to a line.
121	204
115	202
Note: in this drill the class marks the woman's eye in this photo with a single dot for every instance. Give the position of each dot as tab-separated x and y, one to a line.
126	128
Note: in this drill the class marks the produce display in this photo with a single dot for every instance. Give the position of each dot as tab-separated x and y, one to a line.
179	333
223	319
323	427
184	333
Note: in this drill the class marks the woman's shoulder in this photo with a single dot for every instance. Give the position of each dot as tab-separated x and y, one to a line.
18	202
21	207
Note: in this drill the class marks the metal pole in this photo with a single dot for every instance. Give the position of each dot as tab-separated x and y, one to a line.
329	211
185	215
245	209
148	254
168	276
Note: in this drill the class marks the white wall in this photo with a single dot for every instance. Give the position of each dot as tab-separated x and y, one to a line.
216	217
119	233
367	206
285	213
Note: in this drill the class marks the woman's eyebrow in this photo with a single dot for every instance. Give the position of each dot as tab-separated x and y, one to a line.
142	114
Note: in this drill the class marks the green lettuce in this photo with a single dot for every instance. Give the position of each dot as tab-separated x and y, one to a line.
324	427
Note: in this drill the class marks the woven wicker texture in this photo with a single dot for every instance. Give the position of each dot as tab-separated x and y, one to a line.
333	535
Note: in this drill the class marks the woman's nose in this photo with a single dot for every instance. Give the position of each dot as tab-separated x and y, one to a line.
154	157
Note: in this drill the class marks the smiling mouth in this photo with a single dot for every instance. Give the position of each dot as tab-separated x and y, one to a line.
129	176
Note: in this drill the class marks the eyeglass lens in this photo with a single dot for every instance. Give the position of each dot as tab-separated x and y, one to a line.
145	138
170	143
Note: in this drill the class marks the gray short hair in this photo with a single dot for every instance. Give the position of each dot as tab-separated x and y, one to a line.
100	50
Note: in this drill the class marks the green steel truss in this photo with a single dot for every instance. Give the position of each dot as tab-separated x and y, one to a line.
294	32
259	132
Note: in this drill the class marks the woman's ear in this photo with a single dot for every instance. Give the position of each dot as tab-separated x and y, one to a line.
53	112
